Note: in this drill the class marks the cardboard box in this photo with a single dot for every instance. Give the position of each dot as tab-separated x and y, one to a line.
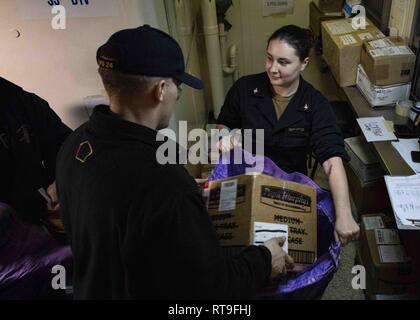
368	197
329	6
342	46
370	283
316	16
388	61
240	205
379	96
388	268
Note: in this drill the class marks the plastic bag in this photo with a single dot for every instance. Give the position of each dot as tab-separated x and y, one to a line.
311	282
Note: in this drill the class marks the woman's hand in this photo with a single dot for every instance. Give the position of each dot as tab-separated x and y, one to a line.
346	230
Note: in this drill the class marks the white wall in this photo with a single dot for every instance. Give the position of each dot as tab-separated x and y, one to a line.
251	31
60	65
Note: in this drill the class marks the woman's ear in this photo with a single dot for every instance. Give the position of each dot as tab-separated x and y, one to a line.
304	64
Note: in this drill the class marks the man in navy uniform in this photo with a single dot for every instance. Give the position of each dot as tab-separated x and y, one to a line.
139	229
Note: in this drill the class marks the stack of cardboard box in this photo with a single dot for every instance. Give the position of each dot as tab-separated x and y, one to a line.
389	268
342	42
386	70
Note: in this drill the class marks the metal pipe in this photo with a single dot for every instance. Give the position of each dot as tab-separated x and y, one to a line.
211	34
183	24
227	68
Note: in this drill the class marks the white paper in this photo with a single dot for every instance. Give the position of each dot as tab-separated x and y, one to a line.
374	129
404	193
381	43
405	50
392	254
348	39
271	7
404	147
387	236
206	196
390	51
372	223
41	9
228	194
266	231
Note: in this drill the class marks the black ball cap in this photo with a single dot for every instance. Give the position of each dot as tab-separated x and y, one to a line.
145	51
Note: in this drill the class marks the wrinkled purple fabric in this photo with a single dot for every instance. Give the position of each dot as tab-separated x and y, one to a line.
27	256
328	249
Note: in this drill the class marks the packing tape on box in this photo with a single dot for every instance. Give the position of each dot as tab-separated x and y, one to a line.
403	108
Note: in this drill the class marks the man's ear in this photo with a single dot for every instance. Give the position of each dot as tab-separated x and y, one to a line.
304	64
159	90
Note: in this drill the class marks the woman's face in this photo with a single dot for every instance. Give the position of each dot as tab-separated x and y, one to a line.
282	64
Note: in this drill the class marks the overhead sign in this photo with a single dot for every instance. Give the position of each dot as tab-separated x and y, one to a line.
41	9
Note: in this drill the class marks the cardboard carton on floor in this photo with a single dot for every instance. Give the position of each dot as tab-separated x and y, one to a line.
342	46
388	61
389	269
251	209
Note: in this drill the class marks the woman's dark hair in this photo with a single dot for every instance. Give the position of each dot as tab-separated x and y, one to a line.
302	40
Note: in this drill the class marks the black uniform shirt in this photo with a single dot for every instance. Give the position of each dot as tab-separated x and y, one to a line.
307	124
30	136
138	229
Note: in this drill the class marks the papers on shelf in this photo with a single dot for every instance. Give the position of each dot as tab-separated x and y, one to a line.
404	193
375	129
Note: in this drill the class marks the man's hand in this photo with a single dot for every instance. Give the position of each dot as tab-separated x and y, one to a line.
346	230
280	260
52	192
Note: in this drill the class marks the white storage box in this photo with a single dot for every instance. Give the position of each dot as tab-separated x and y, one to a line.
379	96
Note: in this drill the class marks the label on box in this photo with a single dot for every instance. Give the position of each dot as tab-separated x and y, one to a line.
228	194
392	254
405	50
340	27
285	199
372	223
390	51
266	231
382	43
365	36
387	236
348	39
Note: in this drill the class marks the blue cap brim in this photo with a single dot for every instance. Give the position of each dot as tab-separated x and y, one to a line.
190	81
